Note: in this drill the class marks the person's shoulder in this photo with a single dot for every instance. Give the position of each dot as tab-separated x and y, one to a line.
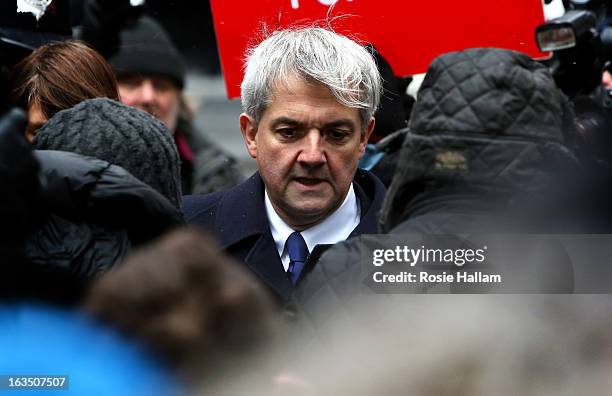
201	209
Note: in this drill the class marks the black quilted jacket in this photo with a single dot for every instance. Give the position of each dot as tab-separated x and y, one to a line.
487	138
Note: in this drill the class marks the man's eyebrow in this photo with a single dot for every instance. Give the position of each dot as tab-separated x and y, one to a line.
284	121
344	122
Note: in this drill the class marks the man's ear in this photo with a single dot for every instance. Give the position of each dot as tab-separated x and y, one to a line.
249	131
365	136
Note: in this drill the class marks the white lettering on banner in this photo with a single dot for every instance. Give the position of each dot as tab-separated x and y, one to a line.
35	7
295	4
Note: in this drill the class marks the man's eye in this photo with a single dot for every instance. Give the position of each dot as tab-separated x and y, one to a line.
286	132
338	134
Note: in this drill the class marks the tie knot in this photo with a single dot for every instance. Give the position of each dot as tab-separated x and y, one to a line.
296	247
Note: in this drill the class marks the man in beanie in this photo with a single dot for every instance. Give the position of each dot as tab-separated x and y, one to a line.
151	72
123	136
151	75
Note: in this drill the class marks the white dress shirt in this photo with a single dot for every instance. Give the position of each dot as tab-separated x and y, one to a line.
335	228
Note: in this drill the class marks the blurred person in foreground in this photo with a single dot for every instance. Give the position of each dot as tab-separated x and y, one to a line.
151	75
463	346
309	96
197	309
57	76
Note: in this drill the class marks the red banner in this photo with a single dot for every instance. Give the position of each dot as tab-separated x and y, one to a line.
408	33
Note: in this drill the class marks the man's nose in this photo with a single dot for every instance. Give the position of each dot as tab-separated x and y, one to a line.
312	152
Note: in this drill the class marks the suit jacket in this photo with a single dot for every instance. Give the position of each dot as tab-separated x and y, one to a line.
237	217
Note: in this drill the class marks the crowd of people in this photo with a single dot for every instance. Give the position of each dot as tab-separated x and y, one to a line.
133	249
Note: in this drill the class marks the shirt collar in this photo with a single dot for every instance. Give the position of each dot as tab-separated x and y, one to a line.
335	228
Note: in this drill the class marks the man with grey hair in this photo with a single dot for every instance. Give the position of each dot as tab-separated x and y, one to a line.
309	96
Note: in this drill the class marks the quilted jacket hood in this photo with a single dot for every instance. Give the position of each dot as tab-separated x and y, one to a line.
488	91
487	124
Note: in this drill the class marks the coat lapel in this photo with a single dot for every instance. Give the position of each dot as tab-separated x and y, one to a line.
264	261
243	231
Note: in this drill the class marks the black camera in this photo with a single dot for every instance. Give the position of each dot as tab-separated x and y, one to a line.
581	42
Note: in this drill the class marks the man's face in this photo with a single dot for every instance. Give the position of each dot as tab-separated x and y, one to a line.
154	94
307	146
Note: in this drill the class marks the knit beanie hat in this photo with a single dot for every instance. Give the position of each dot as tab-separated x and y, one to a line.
119	134
146	48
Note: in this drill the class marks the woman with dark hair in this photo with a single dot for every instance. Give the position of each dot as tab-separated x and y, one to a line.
58	76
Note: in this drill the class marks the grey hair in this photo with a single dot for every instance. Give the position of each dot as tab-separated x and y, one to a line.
315	54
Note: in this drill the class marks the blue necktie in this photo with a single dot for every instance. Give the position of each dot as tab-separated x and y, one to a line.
298	254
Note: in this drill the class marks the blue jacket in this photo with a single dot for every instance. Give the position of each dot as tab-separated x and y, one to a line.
237	217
